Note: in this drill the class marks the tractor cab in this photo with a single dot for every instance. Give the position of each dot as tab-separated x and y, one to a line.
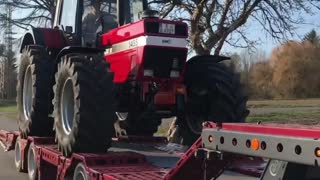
83	21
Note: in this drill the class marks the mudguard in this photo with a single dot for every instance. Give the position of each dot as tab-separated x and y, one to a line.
209	58
47	37
78	49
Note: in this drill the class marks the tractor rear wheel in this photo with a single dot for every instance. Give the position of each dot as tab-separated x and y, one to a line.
83	104
34	92
214	93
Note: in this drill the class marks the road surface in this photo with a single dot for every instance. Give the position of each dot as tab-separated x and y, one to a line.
8	171
7	168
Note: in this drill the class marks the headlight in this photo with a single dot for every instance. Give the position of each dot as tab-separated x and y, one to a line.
148	73
174	74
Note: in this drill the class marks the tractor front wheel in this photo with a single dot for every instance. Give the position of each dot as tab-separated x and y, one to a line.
83	104
34	92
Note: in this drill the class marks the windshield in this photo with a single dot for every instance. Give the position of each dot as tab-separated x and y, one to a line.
136	10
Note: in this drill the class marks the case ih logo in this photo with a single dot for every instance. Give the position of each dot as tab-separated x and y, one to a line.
166	41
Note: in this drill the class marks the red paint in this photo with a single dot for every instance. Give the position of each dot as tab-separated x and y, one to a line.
128	63
52	38
125	63
119	165
273	129
133	30
165	98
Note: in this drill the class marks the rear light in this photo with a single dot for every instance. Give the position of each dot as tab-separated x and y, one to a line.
148	73
317	152
174	74
255	144
210	139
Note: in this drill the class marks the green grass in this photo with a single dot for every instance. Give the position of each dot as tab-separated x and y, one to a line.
9	109
294	115
285	117
284	103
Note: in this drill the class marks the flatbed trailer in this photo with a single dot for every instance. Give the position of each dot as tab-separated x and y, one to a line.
289	152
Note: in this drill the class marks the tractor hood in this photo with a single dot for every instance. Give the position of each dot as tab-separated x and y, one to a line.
145	27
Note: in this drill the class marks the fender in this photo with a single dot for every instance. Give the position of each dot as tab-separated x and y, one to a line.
208	58
78	49
47	37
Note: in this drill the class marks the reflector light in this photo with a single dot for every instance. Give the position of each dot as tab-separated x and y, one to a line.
263	145
210	138
255	144
317	152
181	90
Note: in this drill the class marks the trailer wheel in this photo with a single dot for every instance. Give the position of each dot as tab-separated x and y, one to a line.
32	163
35	73
18	156
214	92
80	172
83	104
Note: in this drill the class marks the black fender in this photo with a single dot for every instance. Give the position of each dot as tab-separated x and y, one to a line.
46	37
208	58
197	65
78	49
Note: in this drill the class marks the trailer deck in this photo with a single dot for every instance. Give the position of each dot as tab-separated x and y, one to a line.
128	159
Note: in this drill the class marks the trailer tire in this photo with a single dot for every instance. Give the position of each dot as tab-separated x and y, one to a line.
83	101
18	156
80	172
32	163
214	93
34	92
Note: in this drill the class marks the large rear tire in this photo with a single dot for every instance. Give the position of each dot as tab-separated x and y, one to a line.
214	93
34	92
83	104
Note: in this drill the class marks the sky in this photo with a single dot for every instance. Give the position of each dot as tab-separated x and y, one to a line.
254	32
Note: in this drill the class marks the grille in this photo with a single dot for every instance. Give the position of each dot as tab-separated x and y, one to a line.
160	60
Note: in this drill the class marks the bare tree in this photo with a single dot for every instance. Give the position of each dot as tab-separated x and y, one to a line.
312	37
216	22
36	12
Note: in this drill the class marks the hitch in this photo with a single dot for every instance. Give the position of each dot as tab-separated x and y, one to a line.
207	154
208	157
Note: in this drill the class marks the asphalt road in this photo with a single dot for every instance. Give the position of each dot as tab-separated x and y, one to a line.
7	168
8	171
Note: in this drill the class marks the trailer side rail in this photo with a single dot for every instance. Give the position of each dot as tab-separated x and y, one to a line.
296	144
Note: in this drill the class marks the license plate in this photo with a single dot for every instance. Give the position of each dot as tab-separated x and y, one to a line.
167	28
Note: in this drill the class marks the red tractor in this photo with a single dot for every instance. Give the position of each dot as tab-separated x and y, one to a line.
109	60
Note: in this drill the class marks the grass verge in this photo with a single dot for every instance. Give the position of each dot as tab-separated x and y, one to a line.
9	109
286	117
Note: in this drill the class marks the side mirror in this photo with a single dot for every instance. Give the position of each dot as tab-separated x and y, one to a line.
69	30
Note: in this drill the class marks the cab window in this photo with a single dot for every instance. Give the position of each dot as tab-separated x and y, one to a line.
69	14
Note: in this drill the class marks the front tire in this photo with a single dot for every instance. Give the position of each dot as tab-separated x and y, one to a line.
83	104
34	89
214	93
